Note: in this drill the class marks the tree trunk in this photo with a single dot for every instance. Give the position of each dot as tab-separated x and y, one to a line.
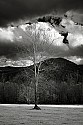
36	84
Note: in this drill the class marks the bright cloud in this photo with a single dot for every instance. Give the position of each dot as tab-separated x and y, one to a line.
19	63
75	59
75	35
6	34
75	39
47	33
71	27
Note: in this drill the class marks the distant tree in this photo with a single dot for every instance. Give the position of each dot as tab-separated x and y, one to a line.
11	92
26	89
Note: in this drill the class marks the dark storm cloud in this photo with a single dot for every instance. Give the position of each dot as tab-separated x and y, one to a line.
72	52
77	51
71	4
8	50
14	50
12	10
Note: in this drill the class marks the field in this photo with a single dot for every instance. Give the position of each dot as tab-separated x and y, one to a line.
48	115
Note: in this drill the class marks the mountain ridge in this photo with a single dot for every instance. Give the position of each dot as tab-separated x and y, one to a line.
60	82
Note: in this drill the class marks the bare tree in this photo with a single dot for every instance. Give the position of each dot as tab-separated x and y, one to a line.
33	35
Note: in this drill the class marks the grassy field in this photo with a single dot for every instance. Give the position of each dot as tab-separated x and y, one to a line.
48	115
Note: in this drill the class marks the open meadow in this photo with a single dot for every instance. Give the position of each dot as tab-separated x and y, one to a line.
48	115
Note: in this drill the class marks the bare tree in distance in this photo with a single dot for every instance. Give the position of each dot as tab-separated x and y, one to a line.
33	35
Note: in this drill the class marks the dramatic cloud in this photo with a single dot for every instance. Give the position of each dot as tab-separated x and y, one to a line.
75	15
16	42
19	63
12	10
6	34
75	59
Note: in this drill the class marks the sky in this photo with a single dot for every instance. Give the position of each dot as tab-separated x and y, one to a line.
14	41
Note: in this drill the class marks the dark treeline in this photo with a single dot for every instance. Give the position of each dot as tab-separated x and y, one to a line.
60	82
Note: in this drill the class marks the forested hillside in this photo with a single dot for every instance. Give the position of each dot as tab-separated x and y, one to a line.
60	82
